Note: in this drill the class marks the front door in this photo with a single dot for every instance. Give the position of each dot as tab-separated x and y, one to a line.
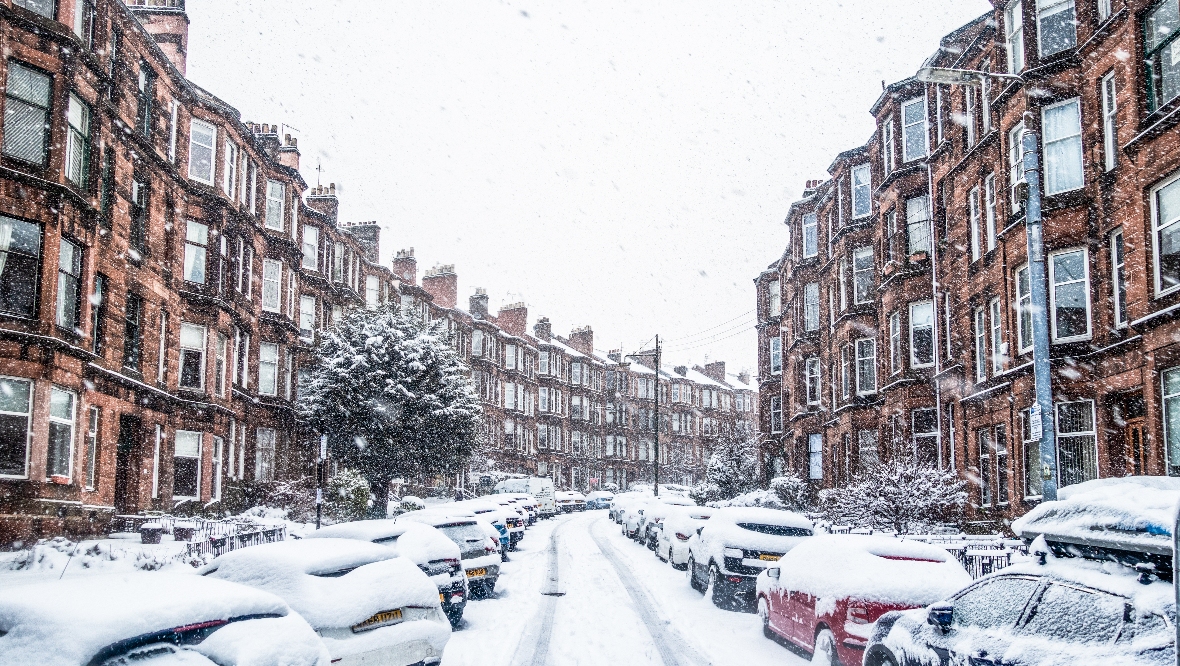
127	465
1135	443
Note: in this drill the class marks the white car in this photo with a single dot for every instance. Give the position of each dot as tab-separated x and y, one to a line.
736	545
564	501
367	604
115	619
619	504
528	503
539	487
479	550
435	554
653	515
491	513
678	527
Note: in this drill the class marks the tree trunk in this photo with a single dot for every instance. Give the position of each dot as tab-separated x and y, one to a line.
379	489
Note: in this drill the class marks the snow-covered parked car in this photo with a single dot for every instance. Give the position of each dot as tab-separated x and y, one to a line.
656	510
738	543
540	487
367	604
513	516
110	619
599	499
488	513
825	593
1087	593
677	528
431	550
481	560
527	502
564	501
618	505
579	501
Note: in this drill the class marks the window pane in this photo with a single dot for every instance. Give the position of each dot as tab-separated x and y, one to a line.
200	159
998	603
1070	300
861	191
42	7
1168	215
61	405
1056	26
1161	23
915	129
26	113
1078	616
1063	148
1171	382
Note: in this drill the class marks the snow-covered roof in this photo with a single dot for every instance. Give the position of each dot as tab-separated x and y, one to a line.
703	379
1132	513
736	382
566	349
872	568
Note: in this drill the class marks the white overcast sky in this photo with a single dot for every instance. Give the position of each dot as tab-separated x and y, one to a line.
618	163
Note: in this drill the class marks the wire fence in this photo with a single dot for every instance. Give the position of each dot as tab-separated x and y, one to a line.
980	554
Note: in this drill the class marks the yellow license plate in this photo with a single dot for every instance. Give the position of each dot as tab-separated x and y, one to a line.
768	558
379	620
471	573
441	599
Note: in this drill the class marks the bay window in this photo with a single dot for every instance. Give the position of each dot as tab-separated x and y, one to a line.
264	455
862	191
42	7
69	285
866	366
811	307
895	343
1056	26
976	233
1171	403
1161	27
192	356
917	218
1110	135
196	238
862	275
1165	200
921	334
272	285
16	403
311	247
1118	278
812	381
914	141
810	235
1077	442
78	141
774	298
306	316
1062	127
1069	297
230	180
26	113
989	210
815	457
275	196
997	337
1014	36
776	355
1015	166
1024	310
268	368
979	324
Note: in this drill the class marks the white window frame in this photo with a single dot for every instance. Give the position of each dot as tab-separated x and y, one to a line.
275	204
997	336
1047	8
28	416
265	388
887	148
895	364
196	251
264	453
919	126
307	316
272	285
1023	310
811	311
863	272
810	235
211	147
776	355
1118	277
813	376
1110	130
1053	296
911	224
989	210
311	247
1075	138
975	217
979	330
71	422
1172	457
933	347
230	175
815	456
201	349
862	191
1156	228
866	362
176	437
774	298
1014	36
1015	165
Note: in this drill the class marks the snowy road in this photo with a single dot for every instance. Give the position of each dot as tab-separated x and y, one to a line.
579	592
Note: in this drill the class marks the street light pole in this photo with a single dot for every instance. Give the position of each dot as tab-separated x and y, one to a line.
1041	421
1041	413
319	479
657	447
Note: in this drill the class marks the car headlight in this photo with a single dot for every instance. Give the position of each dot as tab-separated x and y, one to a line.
734	552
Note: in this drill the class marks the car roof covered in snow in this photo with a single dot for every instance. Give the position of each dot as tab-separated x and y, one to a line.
749	514
451	516
1132	513
330	582
418	541
600	494
872	568
71	621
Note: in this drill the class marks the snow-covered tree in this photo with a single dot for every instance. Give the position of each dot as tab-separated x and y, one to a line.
732	468
792	492
394	398
900	494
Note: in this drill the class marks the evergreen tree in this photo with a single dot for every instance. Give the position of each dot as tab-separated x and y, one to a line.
902	494
732	468
394	398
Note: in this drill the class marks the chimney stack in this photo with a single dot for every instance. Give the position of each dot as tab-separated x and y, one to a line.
405	266
582	339
681	370
289	152
478	304
514	319
442	283
615	355
542	330
744	377
323	199
715	371
368	236
167	23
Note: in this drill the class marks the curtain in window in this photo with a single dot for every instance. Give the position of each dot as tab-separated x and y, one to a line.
26	114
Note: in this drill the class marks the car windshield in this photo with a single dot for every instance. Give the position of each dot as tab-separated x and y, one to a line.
776	530
463	533
997	603
1075	615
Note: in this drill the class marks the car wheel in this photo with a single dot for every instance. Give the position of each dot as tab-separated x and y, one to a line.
475	589
455	616
764	614
825	649
721	596
880	656
692	576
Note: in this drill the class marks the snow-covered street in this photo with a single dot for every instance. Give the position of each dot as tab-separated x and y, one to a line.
579	592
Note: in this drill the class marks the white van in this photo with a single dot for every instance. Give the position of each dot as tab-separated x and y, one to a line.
540	487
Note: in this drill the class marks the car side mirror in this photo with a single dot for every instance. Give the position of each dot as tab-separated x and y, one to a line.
940	616
773	572
700	529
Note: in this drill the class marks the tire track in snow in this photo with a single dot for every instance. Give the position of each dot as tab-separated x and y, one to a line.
535	651
673	649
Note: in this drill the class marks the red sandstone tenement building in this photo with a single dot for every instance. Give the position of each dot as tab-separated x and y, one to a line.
165	272
899	310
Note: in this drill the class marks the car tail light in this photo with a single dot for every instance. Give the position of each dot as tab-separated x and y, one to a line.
735	579
858	615
682	537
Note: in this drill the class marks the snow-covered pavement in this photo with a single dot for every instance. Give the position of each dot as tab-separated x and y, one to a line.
578	592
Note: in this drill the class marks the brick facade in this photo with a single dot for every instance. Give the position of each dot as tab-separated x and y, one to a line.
931	205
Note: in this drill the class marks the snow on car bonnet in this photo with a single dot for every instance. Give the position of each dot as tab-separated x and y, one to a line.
1133	513
330	582
872	568
69	622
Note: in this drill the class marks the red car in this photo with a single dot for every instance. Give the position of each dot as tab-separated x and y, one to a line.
827	592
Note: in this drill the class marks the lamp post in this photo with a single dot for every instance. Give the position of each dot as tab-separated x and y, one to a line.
319	479
1041	424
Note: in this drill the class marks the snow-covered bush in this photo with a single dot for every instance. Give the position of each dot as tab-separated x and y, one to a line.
705	493
899	494
792	492
732	468
347	497
395	398
763	498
